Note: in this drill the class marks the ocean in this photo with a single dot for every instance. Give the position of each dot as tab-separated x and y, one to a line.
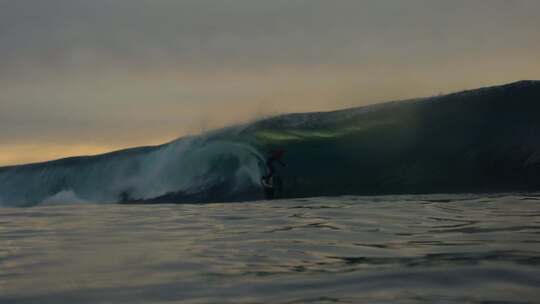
467	248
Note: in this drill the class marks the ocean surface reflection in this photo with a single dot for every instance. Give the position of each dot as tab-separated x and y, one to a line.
391	249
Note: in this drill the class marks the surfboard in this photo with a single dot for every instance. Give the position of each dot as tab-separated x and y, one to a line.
268	187
274	188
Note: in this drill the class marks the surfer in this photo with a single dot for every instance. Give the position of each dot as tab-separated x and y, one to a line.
274	156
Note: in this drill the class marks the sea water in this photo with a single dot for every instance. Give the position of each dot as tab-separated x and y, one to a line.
388	249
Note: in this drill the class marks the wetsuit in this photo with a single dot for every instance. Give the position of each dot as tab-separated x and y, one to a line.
274	157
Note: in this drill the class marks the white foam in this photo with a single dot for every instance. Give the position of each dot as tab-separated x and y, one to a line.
64	197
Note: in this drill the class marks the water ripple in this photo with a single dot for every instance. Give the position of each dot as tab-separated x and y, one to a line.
395	249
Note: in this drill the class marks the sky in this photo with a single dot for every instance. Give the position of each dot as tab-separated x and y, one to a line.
81	77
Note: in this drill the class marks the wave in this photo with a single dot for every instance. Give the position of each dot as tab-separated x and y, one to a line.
188	166
484	140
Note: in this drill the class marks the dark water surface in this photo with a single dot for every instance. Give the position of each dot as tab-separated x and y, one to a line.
392	249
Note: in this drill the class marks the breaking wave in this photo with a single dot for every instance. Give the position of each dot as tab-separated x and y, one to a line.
187	166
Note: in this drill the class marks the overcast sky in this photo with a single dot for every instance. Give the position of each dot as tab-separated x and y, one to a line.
88	76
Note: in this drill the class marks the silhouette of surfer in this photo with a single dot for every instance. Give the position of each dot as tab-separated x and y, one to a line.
274	156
